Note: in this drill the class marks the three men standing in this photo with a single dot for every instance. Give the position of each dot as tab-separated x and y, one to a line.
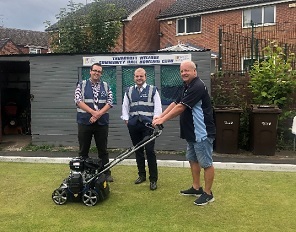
142	106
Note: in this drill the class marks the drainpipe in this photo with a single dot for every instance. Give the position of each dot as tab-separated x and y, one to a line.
159	33
252	45
123	37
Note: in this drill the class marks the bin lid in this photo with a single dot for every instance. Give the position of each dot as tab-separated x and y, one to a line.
272	109
227	109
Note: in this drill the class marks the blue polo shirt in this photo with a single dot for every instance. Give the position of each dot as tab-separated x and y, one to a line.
196	121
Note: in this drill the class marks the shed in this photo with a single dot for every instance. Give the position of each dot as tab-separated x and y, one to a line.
43	86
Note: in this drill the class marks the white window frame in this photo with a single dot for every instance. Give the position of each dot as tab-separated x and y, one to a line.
214	65
243	59
185	26
34	51
246	17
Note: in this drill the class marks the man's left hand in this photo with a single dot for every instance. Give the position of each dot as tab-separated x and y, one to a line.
93	119
157	121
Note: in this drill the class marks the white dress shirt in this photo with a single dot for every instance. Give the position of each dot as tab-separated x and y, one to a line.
126	104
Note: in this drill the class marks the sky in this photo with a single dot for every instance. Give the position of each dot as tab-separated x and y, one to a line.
31	14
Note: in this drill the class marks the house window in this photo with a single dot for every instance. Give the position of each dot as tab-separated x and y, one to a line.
214	65
34	50
259	16
189	25
247	63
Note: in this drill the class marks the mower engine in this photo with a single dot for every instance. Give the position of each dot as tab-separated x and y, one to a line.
75	179
81	171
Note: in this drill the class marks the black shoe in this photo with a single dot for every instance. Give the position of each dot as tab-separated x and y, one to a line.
109	178
204	199
153	185
192	192
140	180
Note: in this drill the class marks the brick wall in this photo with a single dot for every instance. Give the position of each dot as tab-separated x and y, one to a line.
141	34
209	36
9	49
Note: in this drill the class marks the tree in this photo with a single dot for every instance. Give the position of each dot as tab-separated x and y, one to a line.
104	33
91	28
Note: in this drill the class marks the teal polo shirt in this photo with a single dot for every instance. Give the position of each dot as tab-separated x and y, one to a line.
196	121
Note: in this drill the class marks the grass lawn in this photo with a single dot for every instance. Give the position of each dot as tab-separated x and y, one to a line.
245	201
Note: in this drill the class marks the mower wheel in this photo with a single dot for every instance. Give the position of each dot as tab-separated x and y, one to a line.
90	197
59	196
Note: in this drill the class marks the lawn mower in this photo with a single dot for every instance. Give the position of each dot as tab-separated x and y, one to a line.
87	181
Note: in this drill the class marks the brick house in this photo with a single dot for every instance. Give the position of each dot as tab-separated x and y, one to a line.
140	29
197	22
16	41
8	47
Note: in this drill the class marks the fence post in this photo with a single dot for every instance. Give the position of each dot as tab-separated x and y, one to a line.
252	44
257	49
286	52
220	50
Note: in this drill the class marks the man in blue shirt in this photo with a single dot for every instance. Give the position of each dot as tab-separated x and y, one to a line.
197	127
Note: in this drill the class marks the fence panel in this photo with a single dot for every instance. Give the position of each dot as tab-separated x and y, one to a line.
241	47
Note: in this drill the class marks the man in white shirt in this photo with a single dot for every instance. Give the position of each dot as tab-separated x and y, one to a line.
141	104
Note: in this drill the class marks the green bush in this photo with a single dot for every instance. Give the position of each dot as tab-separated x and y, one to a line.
273	80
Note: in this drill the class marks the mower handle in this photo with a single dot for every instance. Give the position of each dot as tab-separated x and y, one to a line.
149	125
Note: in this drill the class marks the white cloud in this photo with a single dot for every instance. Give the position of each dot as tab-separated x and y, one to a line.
31	14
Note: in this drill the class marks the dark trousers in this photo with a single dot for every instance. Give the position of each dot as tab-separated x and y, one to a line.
137	133
100	133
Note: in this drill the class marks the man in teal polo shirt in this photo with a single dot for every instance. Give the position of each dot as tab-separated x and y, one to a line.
197	127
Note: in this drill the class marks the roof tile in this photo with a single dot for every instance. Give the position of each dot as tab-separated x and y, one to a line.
183	7
128	5
25	37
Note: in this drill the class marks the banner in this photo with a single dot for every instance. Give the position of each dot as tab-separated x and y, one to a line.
136	59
